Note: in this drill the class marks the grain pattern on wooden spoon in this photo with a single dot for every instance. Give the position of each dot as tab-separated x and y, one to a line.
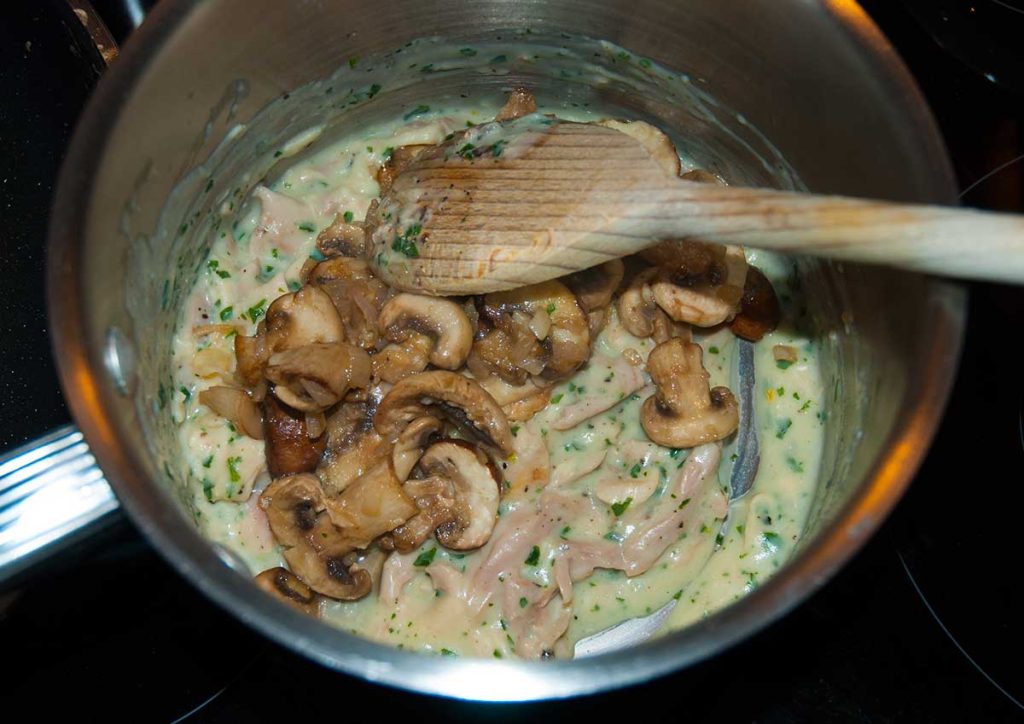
508	204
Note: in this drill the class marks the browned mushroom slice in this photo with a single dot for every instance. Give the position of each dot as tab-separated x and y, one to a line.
332	575
683	412
687	262
372	505
446	394
339	269
520	103
315	377
289	448
236	406
399	360
440	320
399	159
307	316
708	304
412	442
342	238
636	306
435	498
295	506
286	586
553	315
476	493
594	287
357	295
759	308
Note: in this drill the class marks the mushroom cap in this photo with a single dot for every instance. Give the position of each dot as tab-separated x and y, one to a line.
683	412
442	320
330	575
706	304
315	377
454	396
412	442
553	315
594	287
759	308
636	306
286	586
373	504
342	238
289	448
476	492
307	316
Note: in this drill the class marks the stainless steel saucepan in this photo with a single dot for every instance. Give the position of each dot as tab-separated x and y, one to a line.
829	101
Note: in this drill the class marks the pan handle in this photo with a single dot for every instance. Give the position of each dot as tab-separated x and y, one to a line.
52	494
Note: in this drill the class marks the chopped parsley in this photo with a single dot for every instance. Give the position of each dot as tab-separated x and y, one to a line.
621	507
523	602
783	427
417	111
634	472
496	149
307	226
783	364
406	242
555	399
795	465
466	151
425	558
256	311
534	557
233	469
348	216
227	313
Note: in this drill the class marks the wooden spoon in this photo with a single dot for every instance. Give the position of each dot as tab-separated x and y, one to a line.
503	205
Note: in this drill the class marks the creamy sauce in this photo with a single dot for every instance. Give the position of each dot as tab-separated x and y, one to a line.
584	485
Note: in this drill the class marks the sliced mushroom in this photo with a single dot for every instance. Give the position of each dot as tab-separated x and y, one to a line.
705	305
315	377
435	498
399	159
398	361
357	295
410	445
236	406
336	577
372	505
342	238
759	308
636	306
683	412
476	493
307	316
286	586
548	311
343	465
594	287
654	142
289	448
689	262
441	320
447	394
520	103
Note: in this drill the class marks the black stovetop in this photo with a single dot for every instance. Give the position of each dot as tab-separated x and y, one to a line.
921	626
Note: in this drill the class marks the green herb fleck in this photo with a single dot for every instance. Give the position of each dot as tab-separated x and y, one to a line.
227	313
233	469
466	151
348	216
523	602
468	52
374	90
307	226
783	364
425	558
208	461
783	427
795	465
417	111
644	63
448	652
497	148
555	399
256	311
497	654
713	350
534	557
564	533
634	472
186	393
620	507
352	62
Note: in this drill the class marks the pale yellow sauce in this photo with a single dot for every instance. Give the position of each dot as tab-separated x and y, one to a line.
460	604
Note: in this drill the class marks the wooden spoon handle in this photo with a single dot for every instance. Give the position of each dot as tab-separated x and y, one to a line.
573	196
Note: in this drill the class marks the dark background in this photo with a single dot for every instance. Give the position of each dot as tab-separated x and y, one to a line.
922	626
